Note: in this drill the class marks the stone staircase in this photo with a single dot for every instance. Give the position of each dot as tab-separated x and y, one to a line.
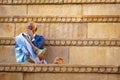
86	33
59	72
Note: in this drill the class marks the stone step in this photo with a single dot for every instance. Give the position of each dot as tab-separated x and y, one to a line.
60	68
45	2
69	42
28	71
87	52
54	19
71	55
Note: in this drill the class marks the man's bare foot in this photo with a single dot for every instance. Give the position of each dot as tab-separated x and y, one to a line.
58	60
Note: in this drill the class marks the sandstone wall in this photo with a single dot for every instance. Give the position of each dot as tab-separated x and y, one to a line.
83	32
58	76
65	20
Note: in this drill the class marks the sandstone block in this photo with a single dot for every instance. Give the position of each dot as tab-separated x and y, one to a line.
11	76
56	51
55	10
87	55
7	29
113	56
13	10
7	54
101	9
63	30
20	27
103	30
65	76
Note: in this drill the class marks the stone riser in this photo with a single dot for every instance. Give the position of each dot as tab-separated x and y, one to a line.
59	72
54	19
83	32
57	76
72	55
19	2
68	42
106	31
59	68
73	10
98	20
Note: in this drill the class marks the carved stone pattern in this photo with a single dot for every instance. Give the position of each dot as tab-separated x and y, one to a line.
7	41
61	42
90	19
25	2
58	68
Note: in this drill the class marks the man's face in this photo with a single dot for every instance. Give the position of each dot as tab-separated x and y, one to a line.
29	31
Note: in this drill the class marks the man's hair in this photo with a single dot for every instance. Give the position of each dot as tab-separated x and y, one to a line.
32	26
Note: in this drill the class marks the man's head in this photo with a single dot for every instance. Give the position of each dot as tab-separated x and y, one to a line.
31	28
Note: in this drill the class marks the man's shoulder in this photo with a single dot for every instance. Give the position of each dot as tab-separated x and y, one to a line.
38	36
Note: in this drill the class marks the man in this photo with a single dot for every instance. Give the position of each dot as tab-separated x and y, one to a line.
29	46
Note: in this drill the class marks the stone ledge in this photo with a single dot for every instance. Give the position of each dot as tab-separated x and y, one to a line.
64	42
7	41
59	2
59	68
84	19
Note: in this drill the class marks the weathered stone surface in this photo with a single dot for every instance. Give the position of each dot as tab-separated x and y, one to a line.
55	10
87	55
94	55
63	30
11	76
101	9
20	27
113	77
65	76
34	2
57	30
113	56
103	30
7	29
56	51
7	54
13	10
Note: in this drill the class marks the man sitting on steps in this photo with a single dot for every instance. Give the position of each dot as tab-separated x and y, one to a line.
29	46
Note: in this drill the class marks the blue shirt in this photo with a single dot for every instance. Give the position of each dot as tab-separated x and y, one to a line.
38	41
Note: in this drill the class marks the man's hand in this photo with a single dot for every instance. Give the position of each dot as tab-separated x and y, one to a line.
28	40
26	37
23	35
30	33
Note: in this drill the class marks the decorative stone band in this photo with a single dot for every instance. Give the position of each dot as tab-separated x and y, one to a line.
34	2
61	68
85	42
7	41
89	19
68	42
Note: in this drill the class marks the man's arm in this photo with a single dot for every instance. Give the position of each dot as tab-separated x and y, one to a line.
29	41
